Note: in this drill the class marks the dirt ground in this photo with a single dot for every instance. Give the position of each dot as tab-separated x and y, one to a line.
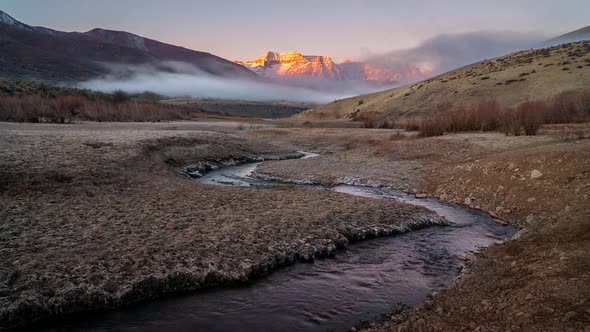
538	281
98	215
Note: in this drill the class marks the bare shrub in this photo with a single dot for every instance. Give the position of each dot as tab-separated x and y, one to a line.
369	119
510	122
484	116
433	126
120	96
530	115
570	106
26	109
67	109
527	116
412	125
387	124
150	96
487	115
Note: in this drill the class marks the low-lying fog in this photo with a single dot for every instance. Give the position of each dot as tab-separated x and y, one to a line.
439	54
181	79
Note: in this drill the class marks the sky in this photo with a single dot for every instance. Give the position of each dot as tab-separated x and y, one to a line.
342	29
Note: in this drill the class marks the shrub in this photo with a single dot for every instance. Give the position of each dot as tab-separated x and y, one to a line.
374	120
527	116
66	109
432	126
412	125
120	96
569	106
150	96
485	116
530	115
510	123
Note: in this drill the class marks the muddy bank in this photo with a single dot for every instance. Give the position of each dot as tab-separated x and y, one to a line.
203	167
126	227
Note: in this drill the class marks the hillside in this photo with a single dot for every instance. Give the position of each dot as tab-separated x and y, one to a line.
570	37
45	54
511	79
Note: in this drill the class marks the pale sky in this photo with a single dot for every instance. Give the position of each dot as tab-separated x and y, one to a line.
343	29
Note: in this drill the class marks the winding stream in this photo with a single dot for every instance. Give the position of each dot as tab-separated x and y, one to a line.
362	282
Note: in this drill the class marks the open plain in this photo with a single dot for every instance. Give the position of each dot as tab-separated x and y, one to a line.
100	215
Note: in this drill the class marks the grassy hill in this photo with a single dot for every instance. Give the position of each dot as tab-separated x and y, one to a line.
510	79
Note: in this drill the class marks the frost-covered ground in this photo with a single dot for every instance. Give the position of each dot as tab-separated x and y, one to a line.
100	215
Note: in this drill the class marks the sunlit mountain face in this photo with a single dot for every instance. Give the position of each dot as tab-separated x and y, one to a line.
273	64
309	69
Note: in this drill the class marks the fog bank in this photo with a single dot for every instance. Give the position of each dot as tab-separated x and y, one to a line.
175	79
450	51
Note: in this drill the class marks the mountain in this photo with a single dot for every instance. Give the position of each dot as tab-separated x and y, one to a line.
510	79
44	54
273	64
294	65
570	37
377	73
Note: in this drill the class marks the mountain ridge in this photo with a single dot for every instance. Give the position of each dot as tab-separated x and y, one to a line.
570	37
51	55
294	64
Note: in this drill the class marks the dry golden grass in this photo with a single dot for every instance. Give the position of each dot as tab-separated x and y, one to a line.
510	79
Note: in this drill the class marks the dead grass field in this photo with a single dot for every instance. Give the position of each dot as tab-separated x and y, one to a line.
96	215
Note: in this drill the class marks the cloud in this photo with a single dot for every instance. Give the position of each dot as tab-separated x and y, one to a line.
450	51
176	79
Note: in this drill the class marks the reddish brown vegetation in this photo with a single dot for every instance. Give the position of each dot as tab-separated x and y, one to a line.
375	120
527	117
67	109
